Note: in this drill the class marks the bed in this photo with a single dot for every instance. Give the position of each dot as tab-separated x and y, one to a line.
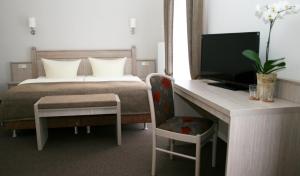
17	103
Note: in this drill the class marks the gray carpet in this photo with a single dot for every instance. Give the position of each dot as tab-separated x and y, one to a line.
97	154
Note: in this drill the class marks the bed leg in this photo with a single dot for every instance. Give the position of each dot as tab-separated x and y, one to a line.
88	129
14	133
145	126
75	130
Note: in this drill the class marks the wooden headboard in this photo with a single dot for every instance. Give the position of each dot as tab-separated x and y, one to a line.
84	67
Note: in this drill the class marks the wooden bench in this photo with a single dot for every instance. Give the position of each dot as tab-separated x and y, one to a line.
74	105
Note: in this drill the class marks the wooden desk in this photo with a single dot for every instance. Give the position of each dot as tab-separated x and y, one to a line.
263	139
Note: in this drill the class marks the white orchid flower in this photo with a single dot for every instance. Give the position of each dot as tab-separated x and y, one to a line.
258	11
275	8
269	15
296	8
284	5
258	8
272	12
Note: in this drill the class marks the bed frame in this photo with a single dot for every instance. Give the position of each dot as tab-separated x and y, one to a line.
84	69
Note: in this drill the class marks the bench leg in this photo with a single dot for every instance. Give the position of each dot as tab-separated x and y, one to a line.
88	129
145	126
41	132
119	123
119	137
41	128
75	130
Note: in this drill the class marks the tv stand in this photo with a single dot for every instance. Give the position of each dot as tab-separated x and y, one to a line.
229	86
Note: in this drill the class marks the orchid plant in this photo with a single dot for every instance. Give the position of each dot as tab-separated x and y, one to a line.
270	14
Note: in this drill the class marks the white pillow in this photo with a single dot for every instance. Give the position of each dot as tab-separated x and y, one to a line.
60	69
108	67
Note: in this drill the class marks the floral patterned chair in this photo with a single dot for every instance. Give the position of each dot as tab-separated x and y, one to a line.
165	124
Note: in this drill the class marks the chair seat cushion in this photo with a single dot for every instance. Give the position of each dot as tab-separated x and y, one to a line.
187	125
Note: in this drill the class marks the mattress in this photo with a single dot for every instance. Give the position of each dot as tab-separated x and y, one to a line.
17	103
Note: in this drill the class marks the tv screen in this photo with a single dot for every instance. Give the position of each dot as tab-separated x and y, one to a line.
222	59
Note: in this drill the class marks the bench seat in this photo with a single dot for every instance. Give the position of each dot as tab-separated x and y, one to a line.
71	105
77	101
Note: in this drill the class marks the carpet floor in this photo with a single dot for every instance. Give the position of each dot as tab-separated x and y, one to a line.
97	154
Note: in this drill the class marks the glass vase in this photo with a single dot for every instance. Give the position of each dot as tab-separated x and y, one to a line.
266	86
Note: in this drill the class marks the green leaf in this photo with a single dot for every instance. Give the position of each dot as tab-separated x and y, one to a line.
271	64
276	69
268	66
281	64
275	60
252	55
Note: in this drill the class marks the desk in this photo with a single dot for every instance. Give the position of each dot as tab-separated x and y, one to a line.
263	139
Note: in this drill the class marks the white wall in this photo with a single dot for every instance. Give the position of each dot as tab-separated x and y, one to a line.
239	15
77	24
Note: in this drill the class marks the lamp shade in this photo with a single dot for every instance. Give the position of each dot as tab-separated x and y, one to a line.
32	22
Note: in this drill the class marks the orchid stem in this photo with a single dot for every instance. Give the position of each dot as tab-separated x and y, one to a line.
268	43
270	31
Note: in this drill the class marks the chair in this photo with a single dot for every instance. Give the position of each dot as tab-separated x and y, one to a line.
165	124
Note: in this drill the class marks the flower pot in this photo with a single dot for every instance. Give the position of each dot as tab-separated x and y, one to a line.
266	86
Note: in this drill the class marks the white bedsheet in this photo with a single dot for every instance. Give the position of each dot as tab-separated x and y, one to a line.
52	80
82	79
119	78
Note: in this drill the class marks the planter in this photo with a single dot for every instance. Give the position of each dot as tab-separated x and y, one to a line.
266	86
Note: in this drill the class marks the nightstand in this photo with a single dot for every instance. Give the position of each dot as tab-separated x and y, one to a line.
145	67
12	84
20	71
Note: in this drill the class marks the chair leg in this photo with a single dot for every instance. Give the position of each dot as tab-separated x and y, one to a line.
171	143
214	147
197	163
153	156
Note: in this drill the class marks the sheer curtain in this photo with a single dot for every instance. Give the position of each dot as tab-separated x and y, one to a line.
181	66
183	30
195	30
168	29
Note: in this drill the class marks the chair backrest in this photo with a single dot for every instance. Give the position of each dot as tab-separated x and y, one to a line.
161	98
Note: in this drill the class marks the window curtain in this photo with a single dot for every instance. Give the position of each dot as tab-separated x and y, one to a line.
195	29
168	27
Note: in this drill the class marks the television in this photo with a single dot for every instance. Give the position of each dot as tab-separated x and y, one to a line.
222	59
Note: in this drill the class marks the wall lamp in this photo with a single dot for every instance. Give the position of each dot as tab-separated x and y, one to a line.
32	25
132	25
